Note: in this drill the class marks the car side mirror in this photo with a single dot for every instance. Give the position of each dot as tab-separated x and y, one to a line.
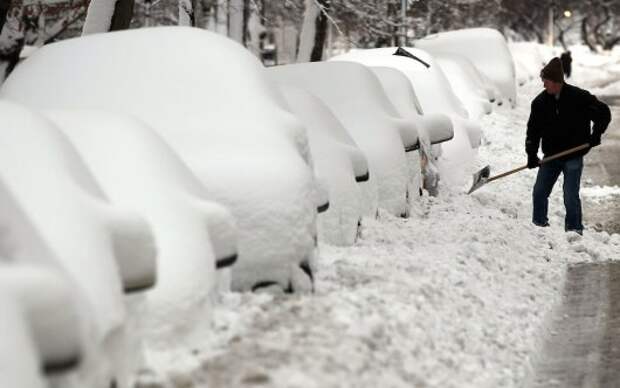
134	250
48	300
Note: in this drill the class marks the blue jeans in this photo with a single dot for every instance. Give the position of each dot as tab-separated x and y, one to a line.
548	174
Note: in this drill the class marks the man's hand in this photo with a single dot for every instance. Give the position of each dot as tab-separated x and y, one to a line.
595	139
532	161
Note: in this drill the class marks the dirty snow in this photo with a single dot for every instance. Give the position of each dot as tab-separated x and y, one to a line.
600	193
456	296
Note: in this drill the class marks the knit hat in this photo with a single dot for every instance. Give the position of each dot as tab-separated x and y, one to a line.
553	71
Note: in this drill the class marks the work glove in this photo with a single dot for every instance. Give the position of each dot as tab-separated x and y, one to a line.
595	139
533	161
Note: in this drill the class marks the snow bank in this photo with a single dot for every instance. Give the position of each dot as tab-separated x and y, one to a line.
47	178
138	171
356	97
600	193
485	47
193	99
340	164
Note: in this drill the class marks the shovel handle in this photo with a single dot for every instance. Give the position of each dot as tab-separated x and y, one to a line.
545	160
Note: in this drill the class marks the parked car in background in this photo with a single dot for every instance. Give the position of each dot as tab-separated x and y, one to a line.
195	237
39	290
22	365
104	249
219	113
467	84
436	96
528	60
433	129
338	161
486	48
359	102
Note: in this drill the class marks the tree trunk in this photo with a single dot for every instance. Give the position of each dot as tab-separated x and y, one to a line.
236	25
123	13
313	31
585	35
186	14
4	9
106	15
255	29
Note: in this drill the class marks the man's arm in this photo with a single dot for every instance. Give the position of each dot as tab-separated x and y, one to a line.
534	132
533	136
598	112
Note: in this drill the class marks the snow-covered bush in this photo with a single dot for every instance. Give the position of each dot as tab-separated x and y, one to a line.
355	96
337	160
486	48
210	100
137	170
104	249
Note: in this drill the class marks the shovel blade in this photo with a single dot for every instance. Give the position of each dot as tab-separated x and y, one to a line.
480	179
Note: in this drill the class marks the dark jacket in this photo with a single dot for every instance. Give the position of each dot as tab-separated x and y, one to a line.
565	122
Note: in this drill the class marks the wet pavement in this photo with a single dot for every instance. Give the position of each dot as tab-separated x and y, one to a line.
582	346
602	168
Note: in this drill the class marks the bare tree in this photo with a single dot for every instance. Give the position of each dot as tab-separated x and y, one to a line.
108	15
313	31
4	9
186	13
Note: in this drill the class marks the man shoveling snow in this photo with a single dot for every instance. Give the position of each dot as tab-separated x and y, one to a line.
560	117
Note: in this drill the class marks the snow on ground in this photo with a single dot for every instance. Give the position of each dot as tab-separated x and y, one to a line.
456	296
600	193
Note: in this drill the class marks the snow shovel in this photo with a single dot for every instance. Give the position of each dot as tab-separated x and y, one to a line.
483	177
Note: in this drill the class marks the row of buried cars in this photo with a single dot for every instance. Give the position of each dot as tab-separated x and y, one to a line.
144	172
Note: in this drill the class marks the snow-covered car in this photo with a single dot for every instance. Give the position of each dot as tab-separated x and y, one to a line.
104	249
56	332
467	84
137	170
20	362
528	60
486	48
435	95
355	96
337	160
210	100
433	129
